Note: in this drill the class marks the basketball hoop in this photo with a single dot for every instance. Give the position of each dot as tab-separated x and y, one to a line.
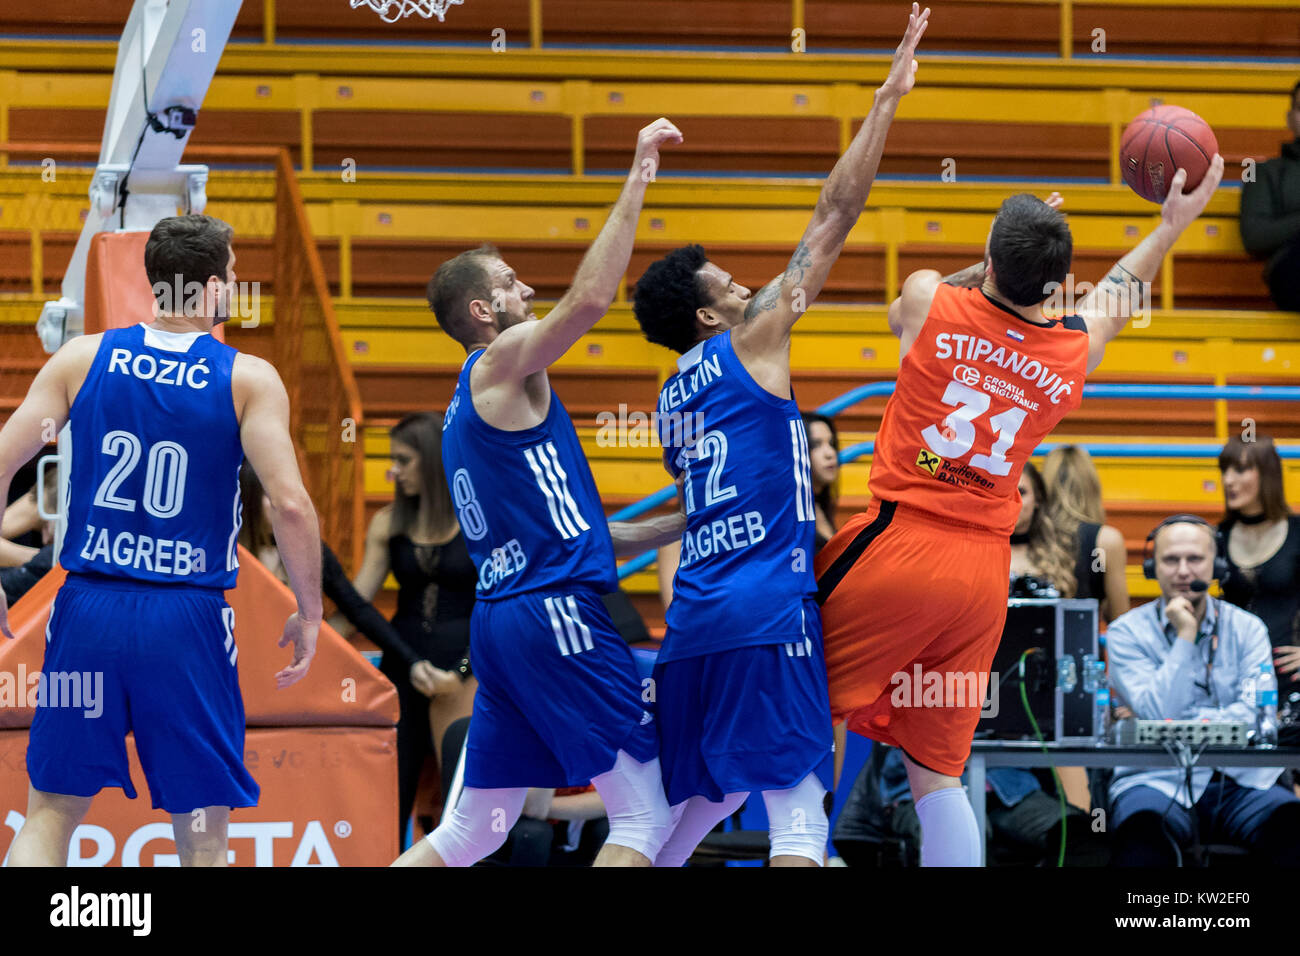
390	11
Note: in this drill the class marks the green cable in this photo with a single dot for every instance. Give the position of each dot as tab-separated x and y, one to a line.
1060	790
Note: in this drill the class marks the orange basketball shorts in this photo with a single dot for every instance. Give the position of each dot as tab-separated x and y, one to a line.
913	607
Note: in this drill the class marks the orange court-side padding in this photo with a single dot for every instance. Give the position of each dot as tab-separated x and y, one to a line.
323	750
340	689
329	796
118	294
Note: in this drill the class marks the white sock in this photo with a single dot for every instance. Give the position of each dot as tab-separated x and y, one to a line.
949	835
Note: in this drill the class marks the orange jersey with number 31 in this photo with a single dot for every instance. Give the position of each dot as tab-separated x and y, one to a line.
977	392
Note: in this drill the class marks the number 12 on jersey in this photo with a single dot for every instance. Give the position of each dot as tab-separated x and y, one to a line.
711	447
959	436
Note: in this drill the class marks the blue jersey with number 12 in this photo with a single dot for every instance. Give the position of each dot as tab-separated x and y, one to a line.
746	561
153	485
526	501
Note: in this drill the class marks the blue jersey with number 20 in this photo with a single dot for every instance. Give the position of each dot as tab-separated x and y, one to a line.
153	485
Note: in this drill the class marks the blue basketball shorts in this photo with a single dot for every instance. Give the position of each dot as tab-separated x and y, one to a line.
748	719
154	660
558	693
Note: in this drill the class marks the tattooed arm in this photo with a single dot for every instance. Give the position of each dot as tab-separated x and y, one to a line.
1126	287
773	310
972	277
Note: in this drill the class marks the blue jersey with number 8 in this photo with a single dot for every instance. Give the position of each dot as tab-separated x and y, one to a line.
526	501
747	553
152	489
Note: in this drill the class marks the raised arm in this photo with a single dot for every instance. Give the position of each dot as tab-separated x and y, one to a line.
531	347
264	433
1107	309
774	309
907	312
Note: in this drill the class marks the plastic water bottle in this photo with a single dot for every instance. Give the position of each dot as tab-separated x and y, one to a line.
1101	723
1265	707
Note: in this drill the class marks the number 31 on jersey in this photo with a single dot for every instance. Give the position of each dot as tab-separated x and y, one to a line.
958	435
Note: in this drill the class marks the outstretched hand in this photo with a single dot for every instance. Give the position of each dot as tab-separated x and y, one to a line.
1055	200
648	143
902	72
1180	209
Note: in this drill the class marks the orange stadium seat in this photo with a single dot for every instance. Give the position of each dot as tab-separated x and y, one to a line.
1191	29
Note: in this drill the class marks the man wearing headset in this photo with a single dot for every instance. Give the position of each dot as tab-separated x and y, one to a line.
1185	656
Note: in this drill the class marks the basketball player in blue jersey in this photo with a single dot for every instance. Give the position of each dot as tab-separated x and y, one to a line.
161	417
740	682
559	701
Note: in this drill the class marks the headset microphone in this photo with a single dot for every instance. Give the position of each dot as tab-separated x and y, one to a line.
1199	587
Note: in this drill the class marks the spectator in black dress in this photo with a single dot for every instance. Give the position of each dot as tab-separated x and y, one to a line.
1076	509
1262	539
1036	547
418	539
256	535
824	462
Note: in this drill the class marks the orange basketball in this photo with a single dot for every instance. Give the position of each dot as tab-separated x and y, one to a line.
1161	141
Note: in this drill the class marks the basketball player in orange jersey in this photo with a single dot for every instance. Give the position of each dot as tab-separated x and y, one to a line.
919	580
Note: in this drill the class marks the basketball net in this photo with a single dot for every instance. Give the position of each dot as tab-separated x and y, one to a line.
390	11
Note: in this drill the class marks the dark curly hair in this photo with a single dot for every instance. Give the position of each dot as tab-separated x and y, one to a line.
668	296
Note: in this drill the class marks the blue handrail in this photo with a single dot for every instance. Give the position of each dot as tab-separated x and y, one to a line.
1263	393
